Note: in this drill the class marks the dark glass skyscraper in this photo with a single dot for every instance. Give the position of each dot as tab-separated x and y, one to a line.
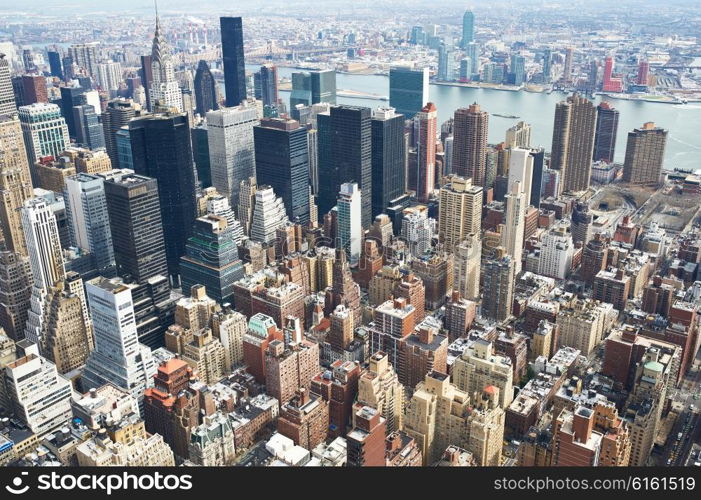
146	74
116	115
205	89
200	153
266	88
135	221
161	149
388	155
468	28
234	64
70	97
348	146
408	90
211	258
324	86
301	90
606	130
538	167
55	64
282	161
88	127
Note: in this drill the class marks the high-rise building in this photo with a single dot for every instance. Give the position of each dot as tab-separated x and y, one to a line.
437	416
161	149
547	66
88	219
422	178
289	367
606	130
15	293
518	136
498	287
612	287
610	82
345	155
205	89
418	230
408	90
44	129
379	388
40	396
645	155
521	169
459	210
468	28
304	419
135	224
85	56
266	85
234	64
73	95
211	258
88	130
109	76
478	367
344	290
472	51
581	223
282	162
15	183
117	114
268	215
643	76
470	128
467	256
518	69
366	442
118	358
575	443
55	64
33	89
350	231
164	89
573	142
514	223
556	251
231	148
569	63
7	95
323	86
388	158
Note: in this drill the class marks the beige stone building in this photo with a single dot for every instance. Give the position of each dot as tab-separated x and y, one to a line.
478	367
379	388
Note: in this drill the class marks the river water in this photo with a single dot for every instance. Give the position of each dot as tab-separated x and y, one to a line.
683	121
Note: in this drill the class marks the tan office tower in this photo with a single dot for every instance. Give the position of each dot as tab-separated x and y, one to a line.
15	291
15	183
379	388
514	224
573	142
247	200
66	340
644	155
466	269
479	366
439	415
470	126
644	407
459	210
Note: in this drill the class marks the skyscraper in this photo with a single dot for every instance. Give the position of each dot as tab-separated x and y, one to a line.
89	131
44	129
88	219
301	89
15	183
468	28
7	95
233	58
538	174
470	130
573	142
205	89
425	124
408	90
268	215
610	82
71	96
161	149
282	161
323	86
231	148
606	130
55	64
498	276
645	155
518	69
15	293
547	66
116	115
347	135
85	55
514	223
569	62
109	76
466	268
388	158
266	85
211	258
459	210
118	358
135	223
164	89
521	170
350	231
